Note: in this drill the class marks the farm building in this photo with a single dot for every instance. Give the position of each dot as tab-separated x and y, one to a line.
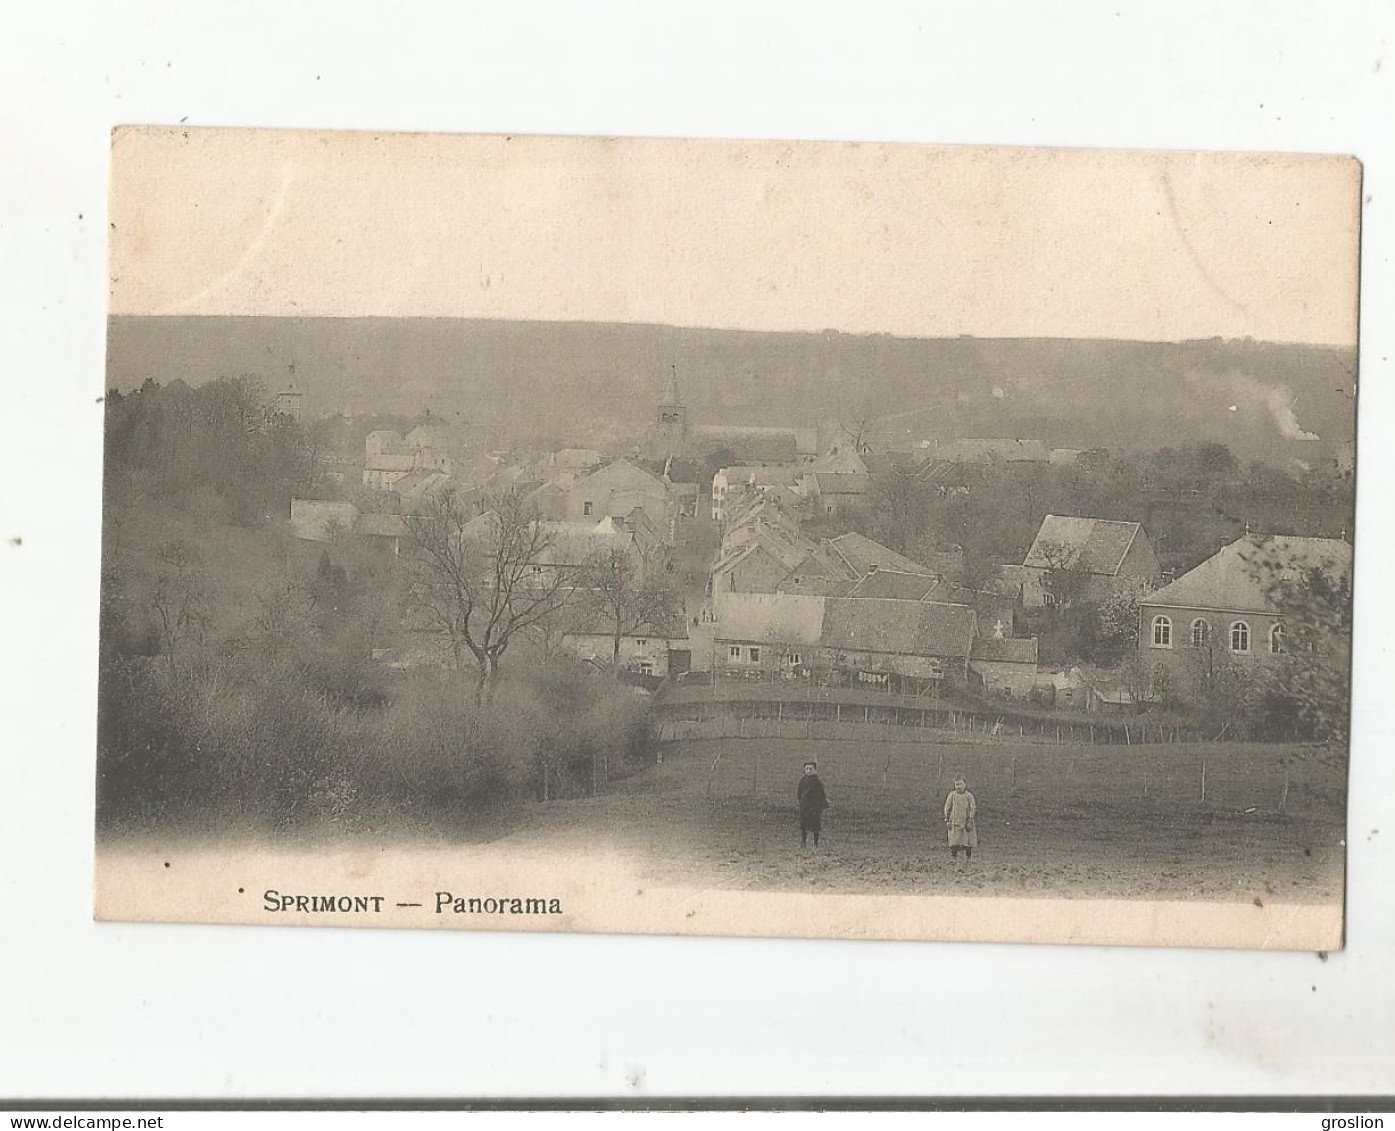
871	642
656	649
321	520
771	633
1003	666
1108	554
903	644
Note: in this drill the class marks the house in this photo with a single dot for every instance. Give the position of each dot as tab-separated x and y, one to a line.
834	566
1025	586
383	532
415	489
431	443
838	481
1110	554
321	520
388	458
1108	692
996	611
770	633
1064	687
618	489
778	506
836	494
1003	666
892	584
659	649
756	565
875	643
576	459
738	482
1225	608
862	555
565	549
902	645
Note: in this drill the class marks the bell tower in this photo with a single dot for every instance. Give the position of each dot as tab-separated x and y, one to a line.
673	413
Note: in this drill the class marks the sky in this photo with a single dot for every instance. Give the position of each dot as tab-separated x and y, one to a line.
915	241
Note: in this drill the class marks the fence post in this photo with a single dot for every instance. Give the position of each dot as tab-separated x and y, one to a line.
1283	801
712	773
940	778
1203	781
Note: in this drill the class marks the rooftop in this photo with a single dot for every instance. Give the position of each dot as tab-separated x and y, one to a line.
1240	577
1096	545
911	628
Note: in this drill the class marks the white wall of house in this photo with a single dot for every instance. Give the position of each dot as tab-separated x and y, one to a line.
646	654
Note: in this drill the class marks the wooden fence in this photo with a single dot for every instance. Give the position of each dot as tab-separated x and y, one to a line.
882	722
1030	779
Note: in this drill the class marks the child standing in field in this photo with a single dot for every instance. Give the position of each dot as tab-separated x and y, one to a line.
813	800
961	819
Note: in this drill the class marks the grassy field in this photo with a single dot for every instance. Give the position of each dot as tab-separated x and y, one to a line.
1061	821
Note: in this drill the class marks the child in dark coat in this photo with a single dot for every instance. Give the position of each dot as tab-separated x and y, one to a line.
813	800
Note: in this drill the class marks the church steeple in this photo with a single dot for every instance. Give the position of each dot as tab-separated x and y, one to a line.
671	396
673	413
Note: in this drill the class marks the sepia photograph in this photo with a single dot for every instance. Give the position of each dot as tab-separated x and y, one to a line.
802	539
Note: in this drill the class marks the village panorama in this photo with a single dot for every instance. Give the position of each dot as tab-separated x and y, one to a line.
968	627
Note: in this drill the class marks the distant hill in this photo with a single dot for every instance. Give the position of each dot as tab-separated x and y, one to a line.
1260	398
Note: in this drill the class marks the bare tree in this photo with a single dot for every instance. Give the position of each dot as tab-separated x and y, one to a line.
1067	580
625	597
483	580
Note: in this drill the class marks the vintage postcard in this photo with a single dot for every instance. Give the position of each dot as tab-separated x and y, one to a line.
740	538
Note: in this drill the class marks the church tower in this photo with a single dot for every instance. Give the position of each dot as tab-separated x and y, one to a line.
673	414
288	400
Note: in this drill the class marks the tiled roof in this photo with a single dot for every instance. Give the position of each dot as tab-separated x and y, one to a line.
909	628
390	462
837	483
1097	545
996	650
622	475
1239	577
892	583
863	555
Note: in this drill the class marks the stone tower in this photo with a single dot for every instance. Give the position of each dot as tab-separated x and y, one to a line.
289	398
673	414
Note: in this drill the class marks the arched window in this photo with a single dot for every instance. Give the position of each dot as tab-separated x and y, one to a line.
1276	640
1240	637
1162	632
1201	632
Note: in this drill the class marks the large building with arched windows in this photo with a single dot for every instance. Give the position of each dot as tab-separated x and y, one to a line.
1250	603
